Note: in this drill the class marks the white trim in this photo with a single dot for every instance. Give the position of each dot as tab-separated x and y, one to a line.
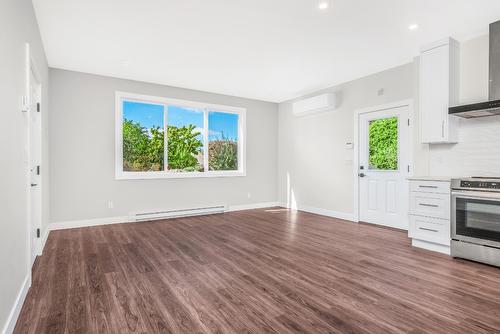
126	219
44	240
165	139
233	208
431	246
178	102
323	212
357	114
10	324
88	223
170	175
205	143
28	145
165	102
31	70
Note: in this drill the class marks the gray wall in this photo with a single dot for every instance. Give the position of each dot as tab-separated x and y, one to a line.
315	170
18	26
82	153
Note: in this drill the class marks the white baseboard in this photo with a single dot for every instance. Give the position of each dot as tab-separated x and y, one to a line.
44	240
263	205
88	223
16	308
126	219
324	212
431	246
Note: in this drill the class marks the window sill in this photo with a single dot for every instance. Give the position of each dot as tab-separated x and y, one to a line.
170	175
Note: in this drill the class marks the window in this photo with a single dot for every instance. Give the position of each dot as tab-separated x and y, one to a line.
185	139
222	141
143	144
383	144
163	138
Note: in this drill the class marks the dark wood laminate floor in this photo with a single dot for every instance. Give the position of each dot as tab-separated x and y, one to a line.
258	271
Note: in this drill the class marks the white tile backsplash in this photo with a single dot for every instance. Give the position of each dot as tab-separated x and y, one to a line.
476	154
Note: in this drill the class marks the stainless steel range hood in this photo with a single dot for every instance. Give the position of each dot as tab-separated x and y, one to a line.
491	107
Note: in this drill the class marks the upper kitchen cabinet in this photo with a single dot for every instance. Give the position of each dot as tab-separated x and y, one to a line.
439	89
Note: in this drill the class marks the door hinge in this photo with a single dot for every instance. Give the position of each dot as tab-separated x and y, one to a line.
38	107
38	233
38	170
24	104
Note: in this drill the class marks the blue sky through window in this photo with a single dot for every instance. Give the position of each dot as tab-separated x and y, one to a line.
221	125
148	115
180	116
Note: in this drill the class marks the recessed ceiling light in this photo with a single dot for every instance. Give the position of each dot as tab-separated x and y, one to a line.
413	26
323	5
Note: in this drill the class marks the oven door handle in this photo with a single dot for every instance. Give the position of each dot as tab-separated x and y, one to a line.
476	195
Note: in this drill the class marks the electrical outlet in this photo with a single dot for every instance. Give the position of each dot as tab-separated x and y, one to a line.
110	205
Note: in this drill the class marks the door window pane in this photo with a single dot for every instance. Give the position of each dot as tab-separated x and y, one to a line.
143	143
383	144
222	141
185	139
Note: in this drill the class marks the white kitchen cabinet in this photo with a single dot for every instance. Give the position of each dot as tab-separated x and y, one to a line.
439	89
430	205
429	214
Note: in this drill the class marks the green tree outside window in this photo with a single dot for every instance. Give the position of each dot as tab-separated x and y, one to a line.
143	149
383	144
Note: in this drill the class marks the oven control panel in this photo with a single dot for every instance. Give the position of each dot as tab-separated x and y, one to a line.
480	184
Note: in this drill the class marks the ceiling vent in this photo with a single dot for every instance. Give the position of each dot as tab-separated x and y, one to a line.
314	105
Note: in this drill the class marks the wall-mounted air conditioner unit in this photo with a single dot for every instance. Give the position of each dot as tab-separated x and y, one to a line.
314	105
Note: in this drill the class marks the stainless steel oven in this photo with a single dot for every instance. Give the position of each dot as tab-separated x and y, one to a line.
475	219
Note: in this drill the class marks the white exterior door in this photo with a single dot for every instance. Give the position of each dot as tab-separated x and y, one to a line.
383	167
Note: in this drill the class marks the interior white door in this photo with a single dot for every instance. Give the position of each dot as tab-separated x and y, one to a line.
383	167
34	168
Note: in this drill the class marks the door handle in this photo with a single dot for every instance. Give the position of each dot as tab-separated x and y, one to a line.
34	184
361	174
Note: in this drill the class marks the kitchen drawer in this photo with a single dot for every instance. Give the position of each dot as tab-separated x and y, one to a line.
430	229
430	205
430	187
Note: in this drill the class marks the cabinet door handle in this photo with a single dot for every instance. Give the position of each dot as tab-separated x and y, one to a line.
433	187
442	129
430	205
428	229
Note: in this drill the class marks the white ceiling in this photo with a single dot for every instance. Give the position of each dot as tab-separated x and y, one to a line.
270	50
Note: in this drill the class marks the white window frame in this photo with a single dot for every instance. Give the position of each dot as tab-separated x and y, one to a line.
120	174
